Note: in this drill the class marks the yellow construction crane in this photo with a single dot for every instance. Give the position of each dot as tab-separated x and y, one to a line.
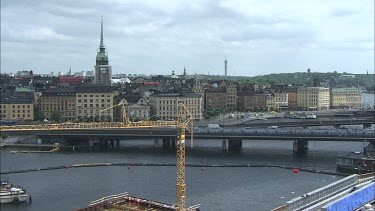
182	124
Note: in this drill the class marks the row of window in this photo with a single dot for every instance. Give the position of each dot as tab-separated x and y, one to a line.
18	115
92	100
14	106
14	111
92	111
96	106
92	95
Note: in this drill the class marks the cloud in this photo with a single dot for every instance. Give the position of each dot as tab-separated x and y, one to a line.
156	36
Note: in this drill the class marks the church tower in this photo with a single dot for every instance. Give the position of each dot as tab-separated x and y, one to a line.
103	71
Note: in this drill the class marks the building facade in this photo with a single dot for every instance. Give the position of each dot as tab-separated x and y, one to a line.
136	108
231	89
19	109
313	98
103	71
254	101
216	99
62	100
350	97
165	105
93	103
281	101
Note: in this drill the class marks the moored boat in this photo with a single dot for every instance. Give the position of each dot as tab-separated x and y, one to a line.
12	194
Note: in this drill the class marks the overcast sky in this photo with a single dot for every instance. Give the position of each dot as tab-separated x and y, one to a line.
156	37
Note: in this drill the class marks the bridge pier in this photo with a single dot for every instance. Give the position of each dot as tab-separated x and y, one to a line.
234	144
224	145
117	143
300	146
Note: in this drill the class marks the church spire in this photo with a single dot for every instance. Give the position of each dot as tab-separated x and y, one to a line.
102	48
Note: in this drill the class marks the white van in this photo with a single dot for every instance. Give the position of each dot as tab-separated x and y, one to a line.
213	126
273	127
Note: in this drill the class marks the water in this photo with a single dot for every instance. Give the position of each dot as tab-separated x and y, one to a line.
213	188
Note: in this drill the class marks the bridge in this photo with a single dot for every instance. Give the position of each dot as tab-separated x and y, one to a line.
110	134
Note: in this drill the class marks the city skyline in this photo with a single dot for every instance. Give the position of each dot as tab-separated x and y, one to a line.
255	37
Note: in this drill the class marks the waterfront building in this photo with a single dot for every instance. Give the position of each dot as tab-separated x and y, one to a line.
60	100
136	107
231	89
216	98
349	97
292	98
165	105
313	98
91	100
281	100
103	71
256	100
14	108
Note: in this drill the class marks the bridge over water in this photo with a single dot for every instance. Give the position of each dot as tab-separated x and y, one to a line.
110	134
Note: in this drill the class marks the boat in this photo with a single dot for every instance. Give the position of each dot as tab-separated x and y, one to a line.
357	162
13	194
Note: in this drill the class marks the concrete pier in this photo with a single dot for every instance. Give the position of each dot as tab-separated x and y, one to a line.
224	145
300	146
235	144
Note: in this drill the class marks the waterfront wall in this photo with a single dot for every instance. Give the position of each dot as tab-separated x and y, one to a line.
354	200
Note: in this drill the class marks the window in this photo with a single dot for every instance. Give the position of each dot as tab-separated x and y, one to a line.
102	100
85	105
96	105
91	105
79	100
91	95
108	100
79	95
85	100
84	95
23	106
91	100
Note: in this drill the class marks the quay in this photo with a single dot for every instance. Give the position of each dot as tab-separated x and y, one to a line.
350	193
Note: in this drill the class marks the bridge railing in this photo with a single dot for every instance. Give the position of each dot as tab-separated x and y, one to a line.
321	192
63	126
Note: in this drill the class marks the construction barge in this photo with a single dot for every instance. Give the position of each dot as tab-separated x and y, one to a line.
124	201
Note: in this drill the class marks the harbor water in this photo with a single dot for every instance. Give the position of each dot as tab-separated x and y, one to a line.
215	188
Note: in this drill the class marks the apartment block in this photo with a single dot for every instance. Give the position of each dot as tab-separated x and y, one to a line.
20	109
166	105
313	98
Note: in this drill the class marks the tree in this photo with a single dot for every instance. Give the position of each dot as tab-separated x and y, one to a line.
56	116
39	116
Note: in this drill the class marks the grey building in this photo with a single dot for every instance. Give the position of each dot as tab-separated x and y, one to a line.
103	71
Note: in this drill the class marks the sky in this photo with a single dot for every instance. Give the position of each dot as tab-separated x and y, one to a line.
257	37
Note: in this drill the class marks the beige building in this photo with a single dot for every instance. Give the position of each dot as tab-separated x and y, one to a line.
91	100
61	100
136	108
166	105
231	89
20	109
349	97
313	98
281	100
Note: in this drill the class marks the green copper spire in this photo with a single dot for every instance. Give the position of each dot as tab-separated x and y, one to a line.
101	57
101	35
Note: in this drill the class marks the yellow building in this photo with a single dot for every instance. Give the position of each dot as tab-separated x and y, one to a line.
20	109
61	100
349	97
91	100
312	98
166	105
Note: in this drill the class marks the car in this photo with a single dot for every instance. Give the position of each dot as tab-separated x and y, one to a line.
370	128
273	127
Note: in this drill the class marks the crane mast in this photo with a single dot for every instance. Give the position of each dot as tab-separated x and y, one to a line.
182	124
